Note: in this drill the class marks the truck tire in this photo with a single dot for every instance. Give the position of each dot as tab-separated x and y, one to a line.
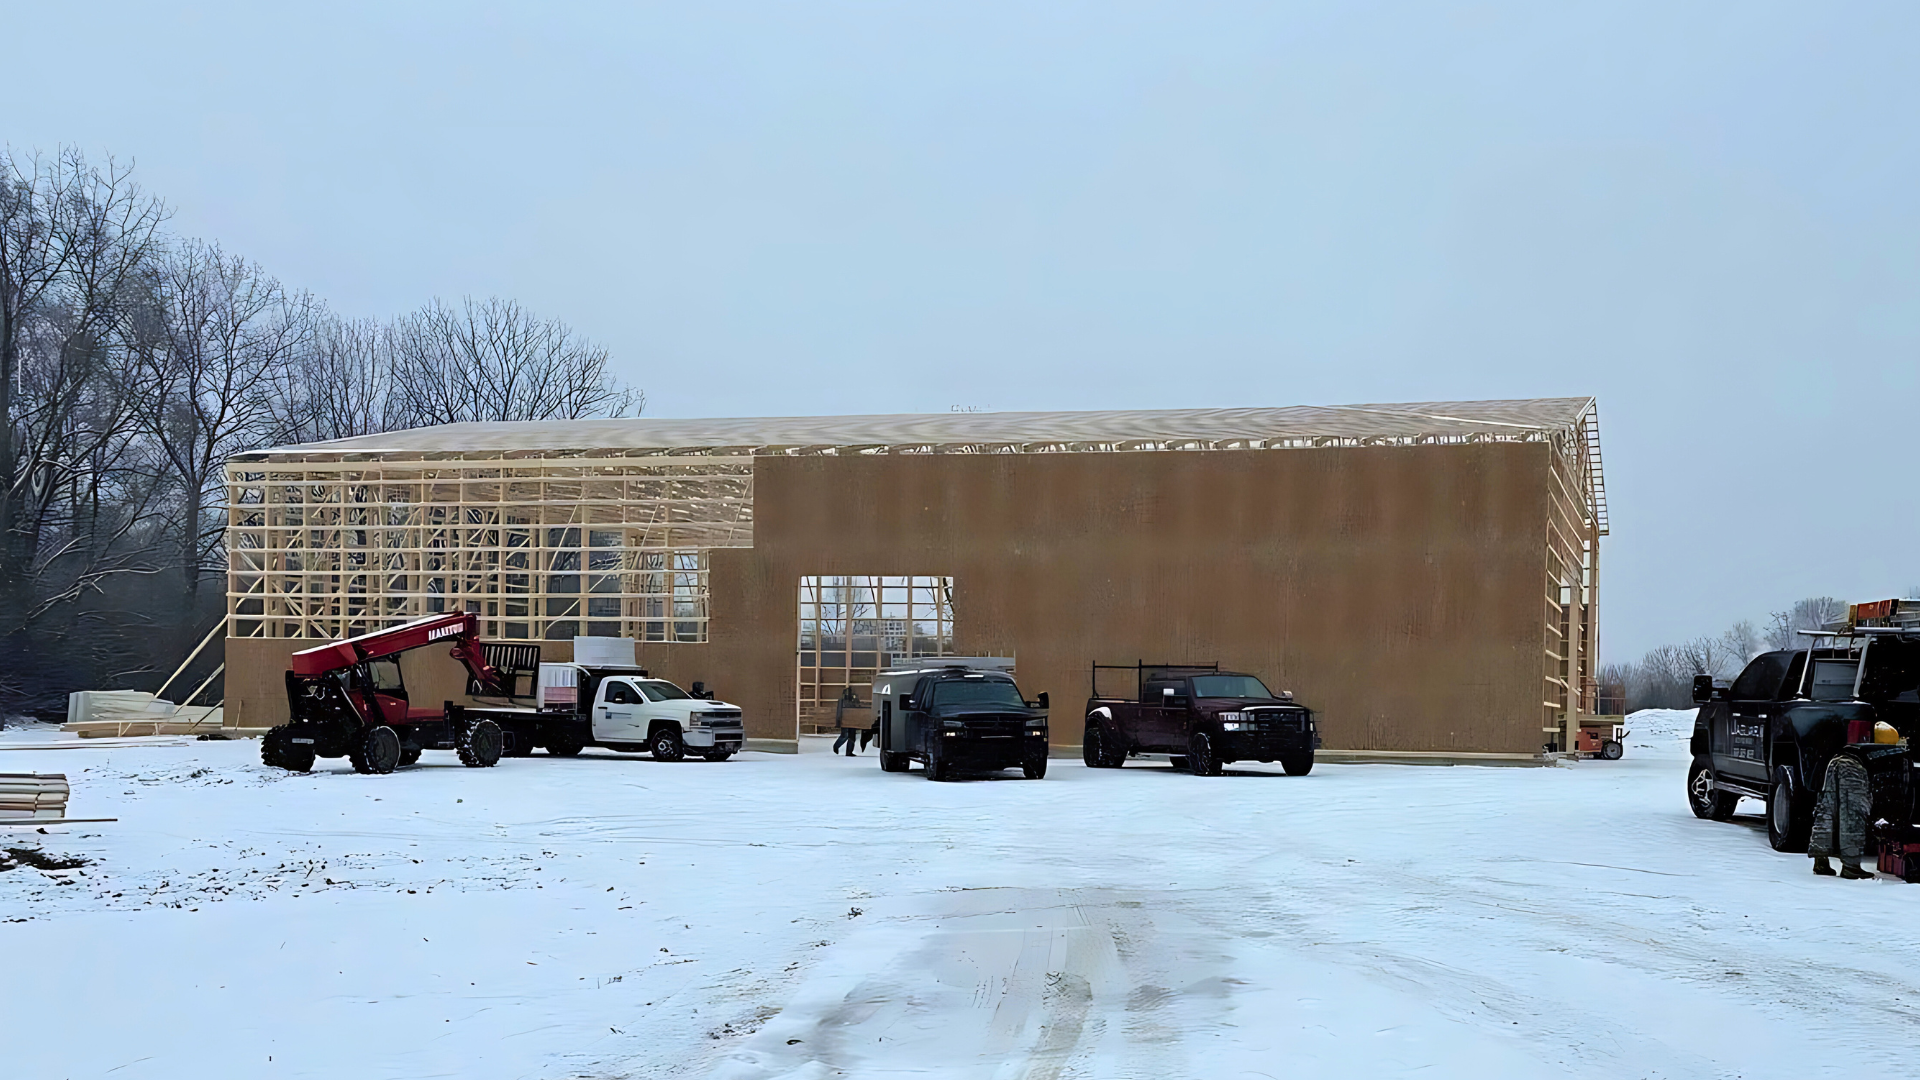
667	744
892	762
278	750
937	767
409	754
376	751
562	743
1201	759
1035	767
1789	816
1612	750
1299	764
1707	801
480	744
1095	751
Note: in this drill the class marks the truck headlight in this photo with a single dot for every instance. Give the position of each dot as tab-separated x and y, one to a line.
1236	725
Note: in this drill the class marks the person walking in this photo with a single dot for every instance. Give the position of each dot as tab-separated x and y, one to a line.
847	734
1840	818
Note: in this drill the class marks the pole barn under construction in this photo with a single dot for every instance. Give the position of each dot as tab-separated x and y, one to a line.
1424	575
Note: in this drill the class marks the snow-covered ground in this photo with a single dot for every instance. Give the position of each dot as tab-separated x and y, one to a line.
812	917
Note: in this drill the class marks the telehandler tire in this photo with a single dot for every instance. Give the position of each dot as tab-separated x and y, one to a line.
278	750
376	751
481	744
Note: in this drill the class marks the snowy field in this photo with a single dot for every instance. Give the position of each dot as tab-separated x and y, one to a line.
811	917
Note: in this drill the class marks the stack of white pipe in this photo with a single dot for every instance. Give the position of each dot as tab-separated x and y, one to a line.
33	796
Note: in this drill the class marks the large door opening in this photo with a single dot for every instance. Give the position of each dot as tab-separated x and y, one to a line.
853	626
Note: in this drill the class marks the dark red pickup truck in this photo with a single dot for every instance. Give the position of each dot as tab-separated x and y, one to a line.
1199	716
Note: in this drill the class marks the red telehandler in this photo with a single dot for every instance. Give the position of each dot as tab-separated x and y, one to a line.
348	699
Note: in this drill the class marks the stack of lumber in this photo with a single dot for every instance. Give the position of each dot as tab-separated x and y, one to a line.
33	797
94	714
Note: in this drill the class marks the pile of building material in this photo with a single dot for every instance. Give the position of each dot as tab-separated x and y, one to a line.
94	714
30	797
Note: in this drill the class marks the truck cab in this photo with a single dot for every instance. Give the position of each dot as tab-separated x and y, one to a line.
1770	733
1199	717
955	713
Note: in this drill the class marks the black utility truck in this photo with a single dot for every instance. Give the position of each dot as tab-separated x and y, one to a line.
958	712
1770	734
1198	717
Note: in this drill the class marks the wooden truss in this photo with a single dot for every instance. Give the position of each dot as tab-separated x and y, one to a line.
542	545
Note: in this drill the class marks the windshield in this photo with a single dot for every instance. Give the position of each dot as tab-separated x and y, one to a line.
980	692
659	690
1230	686
385	675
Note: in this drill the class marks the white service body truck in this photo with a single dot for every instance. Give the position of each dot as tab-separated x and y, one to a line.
622	708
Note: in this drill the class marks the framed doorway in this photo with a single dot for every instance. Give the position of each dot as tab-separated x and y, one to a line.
853	626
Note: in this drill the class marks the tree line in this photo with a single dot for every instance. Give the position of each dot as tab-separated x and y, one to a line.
1663	678
135	362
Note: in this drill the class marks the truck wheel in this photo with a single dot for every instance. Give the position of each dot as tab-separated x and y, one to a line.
562	743
1096	751
409	754
937	767
717	755
278	750
1298	764
1035	767
667	745
480	744
376	752
1201	760
1612	750
1788	822
1705	800
892	762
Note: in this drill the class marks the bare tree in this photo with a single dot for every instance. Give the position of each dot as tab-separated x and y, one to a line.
497	361
339	385
1813	613
73	241
227	334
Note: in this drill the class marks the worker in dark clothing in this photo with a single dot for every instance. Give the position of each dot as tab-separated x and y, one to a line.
847	734
1840	819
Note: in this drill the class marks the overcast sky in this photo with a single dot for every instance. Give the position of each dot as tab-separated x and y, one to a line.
1708	215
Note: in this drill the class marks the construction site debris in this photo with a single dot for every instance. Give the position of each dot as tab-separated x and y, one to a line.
94	714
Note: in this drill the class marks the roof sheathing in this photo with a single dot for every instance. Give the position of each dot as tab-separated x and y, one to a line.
972	433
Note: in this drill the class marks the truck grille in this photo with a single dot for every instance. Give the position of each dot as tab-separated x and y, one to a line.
1275	720
989	726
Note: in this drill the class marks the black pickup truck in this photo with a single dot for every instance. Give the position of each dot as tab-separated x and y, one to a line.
958	713
1772	732
1200	717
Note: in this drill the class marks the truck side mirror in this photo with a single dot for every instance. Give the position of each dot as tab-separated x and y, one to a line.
1706	688
1041	703
906	702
